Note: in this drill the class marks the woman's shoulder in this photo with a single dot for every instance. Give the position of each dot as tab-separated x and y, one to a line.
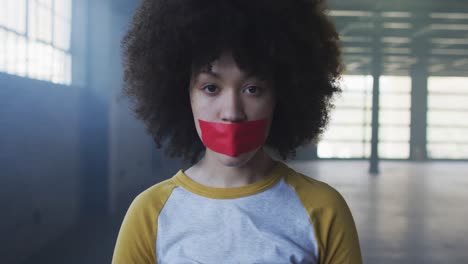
155	196
312	191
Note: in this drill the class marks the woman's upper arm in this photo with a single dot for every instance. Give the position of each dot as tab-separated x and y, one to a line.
137	236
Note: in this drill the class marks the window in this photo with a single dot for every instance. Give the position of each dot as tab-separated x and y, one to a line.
395	116
35	39
447	120
349	132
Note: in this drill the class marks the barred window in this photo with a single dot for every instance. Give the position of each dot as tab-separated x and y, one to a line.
447	119
395	117
349	132
35	39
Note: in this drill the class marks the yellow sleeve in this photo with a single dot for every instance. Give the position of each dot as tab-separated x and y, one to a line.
136	241
337	232
331	218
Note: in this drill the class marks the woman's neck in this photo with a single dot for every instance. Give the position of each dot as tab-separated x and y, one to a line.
210	172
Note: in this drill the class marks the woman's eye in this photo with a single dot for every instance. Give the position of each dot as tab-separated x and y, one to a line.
252	89
210	88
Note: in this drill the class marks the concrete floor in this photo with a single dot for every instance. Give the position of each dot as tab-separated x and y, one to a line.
411	213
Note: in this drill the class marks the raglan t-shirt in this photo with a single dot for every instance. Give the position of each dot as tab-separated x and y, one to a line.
285	217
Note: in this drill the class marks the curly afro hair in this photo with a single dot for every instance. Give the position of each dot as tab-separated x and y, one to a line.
292	43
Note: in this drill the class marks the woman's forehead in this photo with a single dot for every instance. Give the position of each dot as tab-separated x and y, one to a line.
225	65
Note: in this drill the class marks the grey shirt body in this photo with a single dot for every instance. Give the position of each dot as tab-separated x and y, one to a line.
271	226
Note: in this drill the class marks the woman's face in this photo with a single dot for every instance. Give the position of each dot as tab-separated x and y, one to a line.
223	93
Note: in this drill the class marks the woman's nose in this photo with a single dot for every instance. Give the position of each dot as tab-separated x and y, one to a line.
232	108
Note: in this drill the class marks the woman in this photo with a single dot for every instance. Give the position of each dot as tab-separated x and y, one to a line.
218	81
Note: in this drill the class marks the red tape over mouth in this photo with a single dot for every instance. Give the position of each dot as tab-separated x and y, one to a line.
233	138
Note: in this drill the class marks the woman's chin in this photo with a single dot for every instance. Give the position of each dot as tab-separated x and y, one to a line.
235	161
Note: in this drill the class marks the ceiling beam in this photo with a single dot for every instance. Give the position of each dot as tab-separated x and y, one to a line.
401	5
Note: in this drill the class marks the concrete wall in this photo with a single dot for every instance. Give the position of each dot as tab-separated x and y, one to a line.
40	154
39	164
73	152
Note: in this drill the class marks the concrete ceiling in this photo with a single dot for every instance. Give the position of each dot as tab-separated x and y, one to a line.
404	35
